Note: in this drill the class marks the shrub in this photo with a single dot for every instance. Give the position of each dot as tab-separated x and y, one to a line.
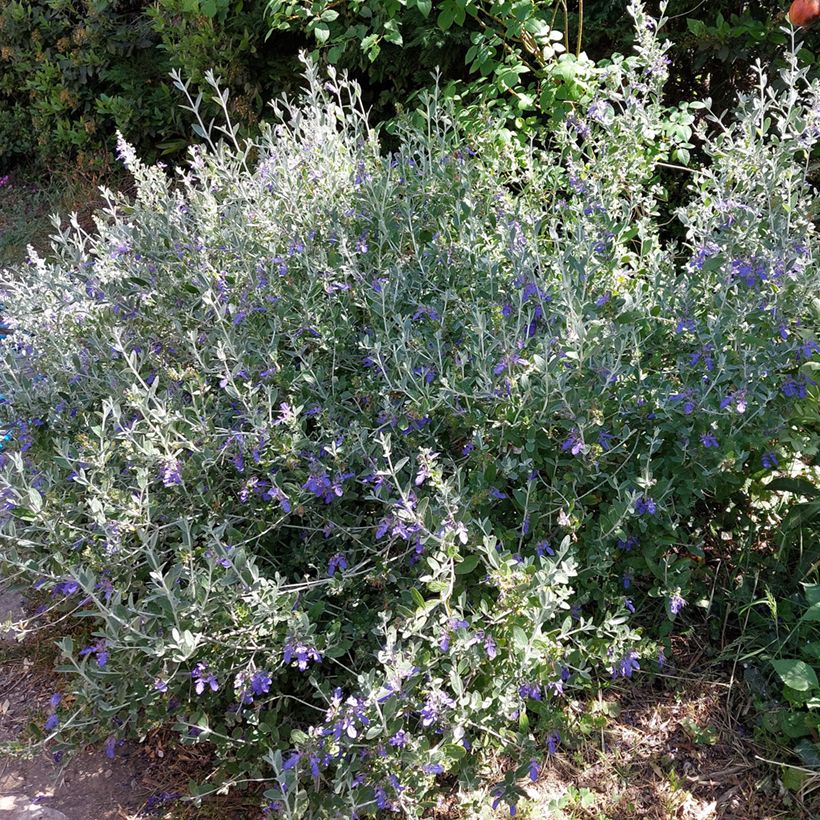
359	468
73	73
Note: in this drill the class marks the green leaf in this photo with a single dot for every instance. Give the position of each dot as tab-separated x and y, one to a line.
35	500
812	593
520	638
467	565
425	7
208	8
446	18
801	514
454	751
796	674
798	486
321	32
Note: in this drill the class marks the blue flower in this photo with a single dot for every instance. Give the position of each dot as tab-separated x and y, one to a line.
574	443
553	739
110	745
796	388
534	769
605	439
709	440
645	505
99	650
204	678
626	665
302	653
676	603
769	460
338	561
260	682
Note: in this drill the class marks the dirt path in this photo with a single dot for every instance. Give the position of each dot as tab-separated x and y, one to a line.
32	785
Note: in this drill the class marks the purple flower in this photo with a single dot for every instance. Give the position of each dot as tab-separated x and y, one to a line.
291	761
260	682
286	414
530	690
553	739
709	440
204	678
399	740
676	603
160	685
110	744
605	439
534	769
644	505
433	706
65	588
302	653
433	768
51	723
769	460
276	493
507	363
323	487
54	700
422	475
543	548
796	388
338	561
626	665
629	605
170	473
574	443
99	650
685	324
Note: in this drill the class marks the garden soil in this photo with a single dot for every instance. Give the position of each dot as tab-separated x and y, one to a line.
32	786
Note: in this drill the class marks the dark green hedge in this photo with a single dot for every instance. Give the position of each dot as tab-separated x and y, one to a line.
74	71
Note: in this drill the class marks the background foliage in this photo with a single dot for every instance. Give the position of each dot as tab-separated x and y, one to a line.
75	72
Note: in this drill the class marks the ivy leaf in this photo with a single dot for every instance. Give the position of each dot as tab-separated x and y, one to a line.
796	674
446	17
321	32
425	7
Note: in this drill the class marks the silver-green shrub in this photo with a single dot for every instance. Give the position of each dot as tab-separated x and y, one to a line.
359	467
